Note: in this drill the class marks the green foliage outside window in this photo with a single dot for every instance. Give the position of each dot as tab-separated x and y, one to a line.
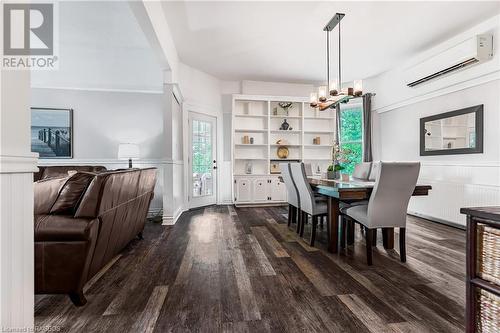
202	147
351	136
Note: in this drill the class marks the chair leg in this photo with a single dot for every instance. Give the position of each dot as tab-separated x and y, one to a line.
402	244
78	298
369	239
321	219
299	220
343	231
350	231
313	230
289	214
303	224
374	241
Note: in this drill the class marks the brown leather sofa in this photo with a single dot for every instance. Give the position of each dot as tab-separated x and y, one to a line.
82	221
45	172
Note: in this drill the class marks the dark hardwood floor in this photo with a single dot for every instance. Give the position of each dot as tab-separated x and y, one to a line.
226	269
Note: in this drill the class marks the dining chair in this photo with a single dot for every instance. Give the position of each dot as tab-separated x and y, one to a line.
308	168
388	204
309	205
292	195
362	171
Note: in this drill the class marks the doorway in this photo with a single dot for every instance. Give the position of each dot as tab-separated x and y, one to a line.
202	161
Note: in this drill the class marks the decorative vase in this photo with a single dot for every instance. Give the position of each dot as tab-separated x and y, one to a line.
330	174
284	126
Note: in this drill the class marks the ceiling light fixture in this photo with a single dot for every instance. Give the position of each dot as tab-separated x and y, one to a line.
331	95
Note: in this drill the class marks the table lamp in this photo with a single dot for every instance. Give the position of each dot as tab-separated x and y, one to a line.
128	151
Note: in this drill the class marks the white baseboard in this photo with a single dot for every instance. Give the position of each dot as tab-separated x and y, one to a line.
171	220
437	220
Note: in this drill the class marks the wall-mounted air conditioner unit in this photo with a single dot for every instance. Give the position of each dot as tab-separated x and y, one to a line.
470	52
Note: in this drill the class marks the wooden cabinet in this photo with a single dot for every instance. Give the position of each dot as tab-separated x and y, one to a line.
482	269
243	189
260	190
277	190
255	190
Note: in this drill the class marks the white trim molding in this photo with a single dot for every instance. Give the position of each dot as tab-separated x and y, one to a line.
47	162
19	164
171	220
440	92
95	89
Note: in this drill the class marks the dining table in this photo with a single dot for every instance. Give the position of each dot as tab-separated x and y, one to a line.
338	191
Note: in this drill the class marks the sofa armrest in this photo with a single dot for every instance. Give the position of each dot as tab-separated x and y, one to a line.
60	228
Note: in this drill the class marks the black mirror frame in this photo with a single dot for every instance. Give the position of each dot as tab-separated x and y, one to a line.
478	109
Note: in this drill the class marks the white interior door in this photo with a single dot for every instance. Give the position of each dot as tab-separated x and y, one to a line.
202	160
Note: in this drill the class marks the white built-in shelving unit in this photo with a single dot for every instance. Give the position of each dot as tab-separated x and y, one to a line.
254	116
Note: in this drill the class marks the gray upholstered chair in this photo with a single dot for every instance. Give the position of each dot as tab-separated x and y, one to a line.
308	168
388	203
362	171
292	195
309	205
374	171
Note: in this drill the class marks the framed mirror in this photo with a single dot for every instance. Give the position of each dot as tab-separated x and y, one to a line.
455	132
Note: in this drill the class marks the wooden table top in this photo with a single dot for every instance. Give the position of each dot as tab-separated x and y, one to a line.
353	189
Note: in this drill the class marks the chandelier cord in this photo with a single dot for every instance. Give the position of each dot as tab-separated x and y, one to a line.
340	66
327	61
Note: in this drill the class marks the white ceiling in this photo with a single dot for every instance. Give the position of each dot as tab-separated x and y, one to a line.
284	41
101	45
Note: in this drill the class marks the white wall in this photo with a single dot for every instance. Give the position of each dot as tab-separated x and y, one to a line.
457	180
103	119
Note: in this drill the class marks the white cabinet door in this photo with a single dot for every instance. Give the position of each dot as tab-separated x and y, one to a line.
260	192
243	190
277	190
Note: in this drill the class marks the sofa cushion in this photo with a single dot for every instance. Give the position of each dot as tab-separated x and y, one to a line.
46	192
71	193
61	228
62	170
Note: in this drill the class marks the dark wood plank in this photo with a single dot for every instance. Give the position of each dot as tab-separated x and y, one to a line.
227	269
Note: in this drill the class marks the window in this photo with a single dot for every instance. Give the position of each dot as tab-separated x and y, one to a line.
351	133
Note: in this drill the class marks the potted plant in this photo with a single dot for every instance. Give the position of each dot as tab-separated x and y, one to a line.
339	157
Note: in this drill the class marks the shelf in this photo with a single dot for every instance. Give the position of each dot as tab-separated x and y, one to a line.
276	145
319	132
317	159
319	146
250	115
251	130
285	132
320	118
250	145
250	159
286	117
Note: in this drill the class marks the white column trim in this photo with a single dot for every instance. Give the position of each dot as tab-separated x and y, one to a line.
19	163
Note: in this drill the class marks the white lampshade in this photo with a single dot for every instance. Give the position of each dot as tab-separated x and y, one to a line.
128	151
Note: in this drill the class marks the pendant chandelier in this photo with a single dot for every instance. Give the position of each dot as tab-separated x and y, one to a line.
331	95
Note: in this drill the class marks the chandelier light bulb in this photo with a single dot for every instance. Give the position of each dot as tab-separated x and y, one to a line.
334	90
322	93
358	87
313	100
